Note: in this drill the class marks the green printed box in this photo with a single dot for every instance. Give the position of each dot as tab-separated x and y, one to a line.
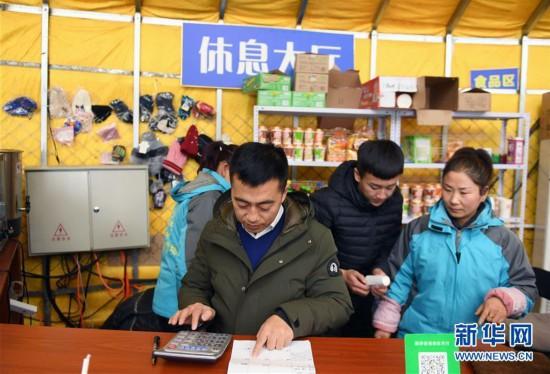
431	353
266	81
274	98
309	99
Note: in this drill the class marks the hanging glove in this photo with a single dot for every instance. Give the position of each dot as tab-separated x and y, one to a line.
101	112
145	108
186	106
122	112
165	120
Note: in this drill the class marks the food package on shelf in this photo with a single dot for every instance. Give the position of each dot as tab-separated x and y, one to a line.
337	145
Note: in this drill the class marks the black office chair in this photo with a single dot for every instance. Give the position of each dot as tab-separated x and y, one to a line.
543	282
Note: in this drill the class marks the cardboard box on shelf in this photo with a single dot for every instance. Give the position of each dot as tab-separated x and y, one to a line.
274	81
274	98
344	92
474	100
381	92
311	63
308	99
440	93
310	82
434	117
344	89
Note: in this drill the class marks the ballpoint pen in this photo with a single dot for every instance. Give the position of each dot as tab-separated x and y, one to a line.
156	342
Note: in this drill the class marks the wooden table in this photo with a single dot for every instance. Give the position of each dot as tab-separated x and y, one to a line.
25	349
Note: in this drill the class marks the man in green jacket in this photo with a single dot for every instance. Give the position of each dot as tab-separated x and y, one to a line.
264	266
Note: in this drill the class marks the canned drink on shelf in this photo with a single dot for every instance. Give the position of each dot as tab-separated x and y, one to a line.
428	203
309	137
429	190
415	208
298	153
308	153
318	138
417	191
276	143
287	136
515	151
276	135
298	136
505	208
437	193
319	152
263	135
289	152
405	207
405	190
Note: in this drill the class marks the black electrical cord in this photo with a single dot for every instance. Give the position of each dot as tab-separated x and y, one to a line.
60	314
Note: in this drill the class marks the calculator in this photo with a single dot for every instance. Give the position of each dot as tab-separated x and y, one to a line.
195	345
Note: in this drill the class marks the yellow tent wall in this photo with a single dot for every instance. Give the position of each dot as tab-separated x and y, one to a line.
109	45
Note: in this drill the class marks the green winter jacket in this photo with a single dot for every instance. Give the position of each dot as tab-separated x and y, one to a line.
299	274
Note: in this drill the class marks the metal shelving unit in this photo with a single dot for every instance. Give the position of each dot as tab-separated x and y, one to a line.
395	116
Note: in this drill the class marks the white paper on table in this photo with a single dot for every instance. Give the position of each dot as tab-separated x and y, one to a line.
294	359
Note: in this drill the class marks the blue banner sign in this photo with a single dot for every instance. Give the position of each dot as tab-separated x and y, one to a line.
215	55
495	79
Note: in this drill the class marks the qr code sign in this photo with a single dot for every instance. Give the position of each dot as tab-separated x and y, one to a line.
433	363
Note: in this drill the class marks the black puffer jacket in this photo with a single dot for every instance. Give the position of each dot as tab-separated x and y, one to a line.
364	234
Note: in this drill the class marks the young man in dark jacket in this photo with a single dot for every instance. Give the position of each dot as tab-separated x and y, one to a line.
264	265
362	206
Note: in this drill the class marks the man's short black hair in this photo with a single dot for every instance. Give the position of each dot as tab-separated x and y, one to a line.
256	163
382	158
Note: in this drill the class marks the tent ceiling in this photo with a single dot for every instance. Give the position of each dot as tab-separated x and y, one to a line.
481	18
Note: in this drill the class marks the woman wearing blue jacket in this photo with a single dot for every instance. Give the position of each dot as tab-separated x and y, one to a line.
195	201
459	264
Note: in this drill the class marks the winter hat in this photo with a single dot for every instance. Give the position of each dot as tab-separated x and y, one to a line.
150	151
190	144
101	112
185	108
82	102
22	106
145	108
122	112
175	159
58	105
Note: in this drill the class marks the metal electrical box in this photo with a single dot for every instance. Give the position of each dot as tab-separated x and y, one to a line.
79	209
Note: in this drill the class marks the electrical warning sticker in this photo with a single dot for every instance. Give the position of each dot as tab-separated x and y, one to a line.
118	230
60	234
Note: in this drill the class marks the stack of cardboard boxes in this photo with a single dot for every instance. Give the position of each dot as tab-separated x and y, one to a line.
273	89
310	80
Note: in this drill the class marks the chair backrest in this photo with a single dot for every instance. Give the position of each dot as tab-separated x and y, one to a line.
543	282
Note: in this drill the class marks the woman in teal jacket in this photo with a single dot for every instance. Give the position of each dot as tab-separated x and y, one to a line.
195	200
459	264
